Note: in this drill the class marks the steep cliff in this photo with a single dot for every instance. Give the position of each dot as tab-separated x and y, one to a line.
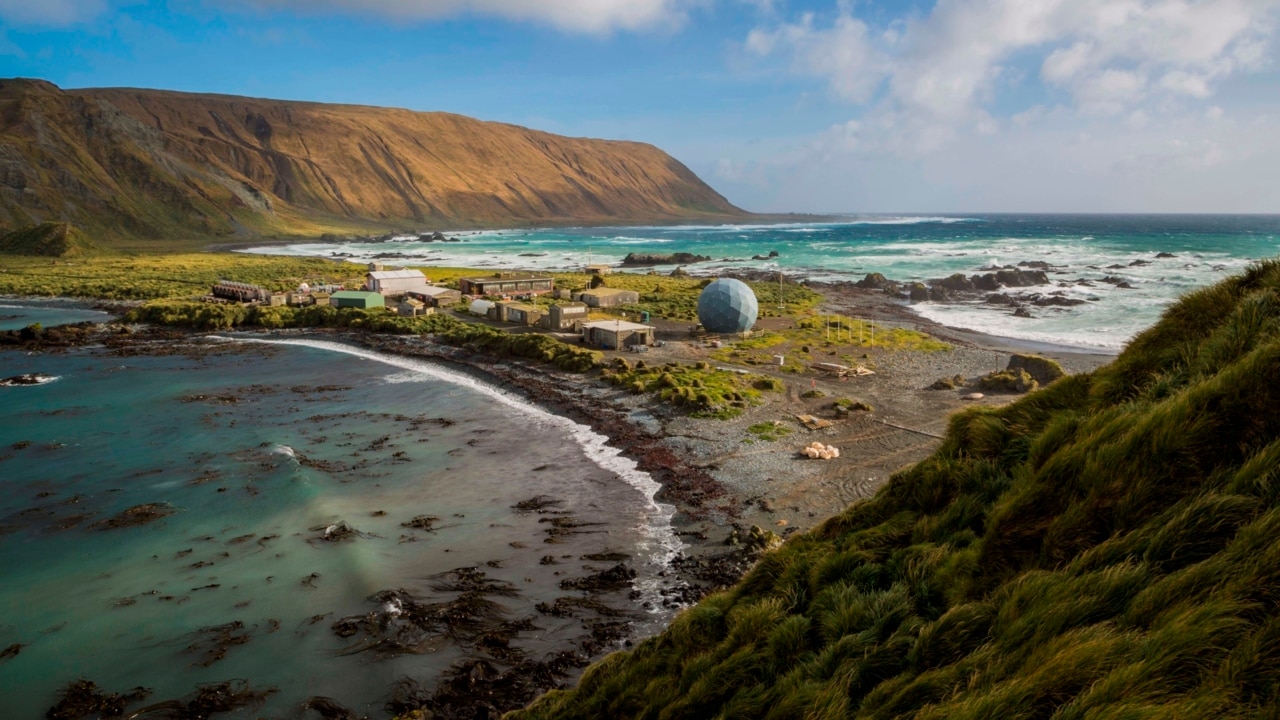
151	164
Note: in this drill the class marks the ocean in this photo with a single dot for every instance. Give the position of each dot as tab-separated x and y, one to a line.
1082	249
287	474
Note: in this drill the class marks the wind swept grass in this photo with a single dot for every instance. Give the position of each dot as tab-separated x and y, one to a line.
1107	547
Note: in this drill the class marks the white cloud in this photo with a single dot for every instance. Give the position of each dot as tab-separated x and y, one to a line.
50	12
845	53
1057	161
587	16
935	77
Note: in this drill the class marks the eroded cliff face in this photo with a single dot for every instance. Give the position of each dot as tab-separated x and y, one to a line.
153	164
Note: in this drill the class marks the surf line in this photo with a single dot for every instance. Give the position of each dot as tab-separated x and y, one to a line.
663	545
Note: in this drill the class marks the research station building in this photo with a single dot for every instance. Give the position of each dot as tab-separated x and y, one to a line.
603	297
506	284
616	334
395	282
357	299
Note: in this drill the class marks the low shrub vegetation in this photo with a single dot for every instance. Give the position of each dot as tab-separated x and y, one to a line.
701	389
149	277
1107	547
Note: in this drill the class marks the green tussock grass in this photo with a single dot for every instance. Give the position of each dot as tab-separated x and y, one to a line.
808	341
1106	547
702	390
51	239
770	431
676	298
148	277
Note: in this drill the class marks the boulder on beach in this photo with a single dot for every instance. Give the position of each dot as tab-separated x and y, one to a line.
874	281
1043	369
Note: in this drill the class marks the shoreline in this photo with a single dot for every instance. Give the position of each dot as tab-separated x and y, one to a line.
746	217
722	483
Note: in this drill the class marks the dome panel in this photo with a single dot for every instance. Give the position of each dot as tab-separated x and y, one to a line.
727	306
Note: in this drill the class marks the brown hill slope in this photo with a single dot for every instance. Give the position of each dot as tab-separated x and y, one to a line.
153	164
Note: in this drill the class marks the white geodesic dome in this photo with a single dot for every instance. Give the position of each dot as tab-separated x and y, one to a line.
727	306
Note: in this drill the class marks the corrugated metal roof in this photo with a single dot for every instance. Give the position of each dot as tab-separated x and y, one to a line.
433	290
602	291
355	295
398	275
616	325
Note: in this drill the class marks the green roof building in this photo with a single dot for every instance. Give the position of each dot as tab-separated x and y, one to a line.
356	299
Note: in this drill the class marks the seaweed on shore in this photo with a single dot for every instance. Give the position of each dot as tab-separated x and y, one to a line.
565	525
617	577
329	709
403	623
84	699
207	700
135	516
214	642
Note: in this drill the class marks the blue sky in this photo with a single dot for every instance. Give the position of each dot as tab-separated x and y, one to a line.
782	105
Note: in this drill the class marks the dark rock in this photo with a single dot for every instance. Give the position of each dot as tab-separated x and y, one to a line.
1022	278
26	379
918	292
874	281
956	282
937	294
1163	255
999	299
1034	264
985	282
1112	280
1124	286
680	258
773	253
1022	313
1056	301
1137	263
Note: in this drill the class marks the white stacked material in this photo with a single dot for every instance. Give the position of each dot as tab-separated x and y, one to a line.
817	450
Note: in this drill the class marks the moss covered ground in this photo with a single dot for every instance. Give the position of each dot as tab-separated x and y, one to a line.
1106	547
699	388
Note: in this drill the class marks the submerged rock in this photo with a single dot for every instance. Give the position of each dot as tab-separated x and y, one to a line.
27	379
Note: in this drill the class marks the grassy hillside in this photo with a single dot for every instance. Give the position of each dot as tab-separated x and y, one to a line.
1108	547
138	166
51	239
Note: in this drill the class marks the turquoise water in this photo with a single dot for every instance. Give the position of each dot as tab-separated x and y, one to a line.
1080	247
16	314
257	448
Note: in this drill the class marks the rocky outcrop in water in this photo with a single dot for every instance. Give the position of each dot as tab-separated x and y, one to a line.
680	258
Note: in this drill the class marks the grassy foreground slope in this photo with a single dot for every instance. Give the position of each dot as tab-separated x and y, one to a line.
1108	547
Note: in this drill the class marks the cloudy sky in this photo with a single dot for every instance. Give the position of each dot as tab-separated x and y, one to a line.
782	105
